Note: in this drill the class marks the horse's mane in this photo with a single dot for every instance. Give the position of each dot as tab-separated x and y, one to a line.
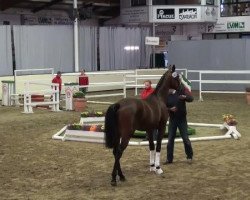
159	84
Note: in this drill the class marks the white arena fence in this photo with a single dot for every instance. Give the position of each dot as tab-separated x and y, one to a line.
100	81
23	75
149	74
127	79
124	80
50	89
203	79
45	75
134	79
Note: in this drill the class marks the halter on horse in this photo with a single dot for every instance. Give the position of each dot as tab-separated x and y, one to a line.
130	114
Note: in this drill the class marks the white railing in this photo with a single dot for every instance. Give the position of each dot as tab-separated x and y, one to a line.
101	73
122	85
45	71
70	90
136	85
133	79
100	85
51	90
202	80
138	77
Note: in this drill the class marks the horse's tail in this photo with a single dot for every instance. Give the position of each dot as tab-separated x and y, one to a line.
111	125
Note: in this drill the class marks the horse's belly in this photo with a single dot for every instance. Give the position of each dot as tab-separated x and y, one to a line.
144	126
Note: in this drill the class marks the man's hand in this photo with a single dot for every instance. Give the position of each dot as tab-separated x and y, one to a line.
171	91
173	109
182	97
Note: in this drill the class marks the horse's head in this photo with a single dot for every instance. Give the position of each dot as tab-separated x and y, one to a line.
173	78
169	80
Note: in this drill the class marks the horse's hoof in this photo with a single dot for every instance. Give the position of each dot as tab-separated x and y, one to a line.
152	169
122	178
113	183
158	171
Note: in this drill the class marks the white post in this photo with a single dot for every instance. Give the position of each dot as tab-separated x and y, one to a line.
186	73
15	82
200	96
57	105
124	86
25	108
203	2
54	97
27	99
76	47
136	82
153	53
69	90
30	106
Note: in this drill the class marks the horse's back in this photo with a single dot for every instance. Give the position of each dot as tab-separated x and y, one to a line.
140	114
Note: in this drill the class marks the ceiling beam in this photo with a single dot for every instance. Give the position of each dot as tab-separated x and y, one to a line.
101	1
5	4
46	5
40	1
106	4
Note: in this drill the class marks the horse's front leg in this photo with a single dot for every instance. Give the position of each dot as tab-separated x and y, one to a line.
152	151
161	132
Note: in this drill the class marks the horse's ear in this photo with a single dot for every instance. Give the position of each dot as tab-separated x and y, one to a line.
173	68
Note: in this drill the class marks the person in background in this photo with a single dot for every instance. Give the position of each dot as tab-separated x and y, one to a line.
58	79
144	94
176	103
83	80
147	89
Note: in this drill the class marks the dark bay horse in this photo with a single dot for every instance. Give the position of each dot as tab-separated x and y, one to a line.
130	114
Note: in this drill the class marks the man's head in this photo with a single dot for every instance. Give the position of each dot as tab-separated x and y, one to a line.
82	71
59	73
147	84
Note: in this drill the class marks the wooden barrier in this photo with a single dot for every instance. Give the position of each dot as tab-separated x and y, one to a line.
29	102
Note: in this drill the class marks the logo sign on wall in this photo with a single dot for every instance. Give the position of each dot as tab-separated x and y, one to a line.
187	13
235	26
134	15
45	20
165	13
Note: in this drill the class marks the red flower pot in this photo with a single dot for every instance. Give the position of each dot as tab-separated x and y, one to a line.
79	104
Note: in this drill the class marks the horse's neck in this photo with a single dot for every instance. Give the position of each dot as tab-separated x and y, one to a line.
162	93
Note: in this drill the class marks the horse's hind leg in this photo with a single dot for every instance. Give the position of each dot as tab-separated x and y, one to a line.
152	151
115	168
123	146
117	151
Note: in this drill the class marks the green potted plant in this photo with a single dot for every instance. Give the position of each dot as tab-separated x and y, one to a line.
248	95
93	114
79	101
81	127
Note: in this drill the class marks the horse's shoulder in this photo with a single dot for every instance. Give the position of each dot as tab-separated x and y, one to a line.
127	100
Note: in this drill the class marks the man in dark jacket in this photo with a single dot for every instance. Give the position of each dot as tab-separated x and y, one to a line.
176	103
